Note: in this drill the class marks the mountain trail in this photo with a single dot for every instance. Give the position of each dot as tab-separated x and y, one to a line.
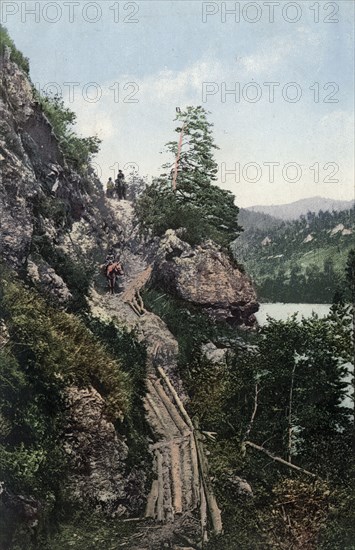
180	486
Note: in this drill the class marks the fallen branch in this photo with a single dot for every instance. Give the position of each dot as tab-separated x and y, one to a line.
152	500
153	407
135	309
160	500
210	435
290	427
173	412
176	478
203	513
278	459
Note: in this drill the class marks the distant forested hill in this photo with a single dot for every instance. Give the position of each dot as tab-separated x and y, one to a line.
294	210
296	261
249	219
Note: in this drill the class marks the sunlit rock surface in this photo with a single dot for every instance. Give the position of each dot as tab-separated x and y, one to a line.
206	276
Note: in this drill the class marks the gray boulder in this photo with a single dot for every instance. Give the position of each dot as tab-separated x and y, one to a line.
207	277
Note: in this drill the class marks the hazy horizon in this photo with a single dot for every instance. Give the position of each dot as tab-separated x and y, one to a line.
318	197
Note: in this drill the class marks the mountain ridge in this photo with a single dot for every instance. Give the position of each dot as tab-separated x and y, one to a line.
293	210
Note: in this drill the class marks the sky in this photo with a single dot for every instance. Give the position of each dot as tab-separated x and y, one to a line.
277	78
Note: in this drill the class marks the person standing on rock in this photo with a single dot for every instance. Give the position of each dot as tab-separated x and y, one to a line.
118	188
120	185
110	188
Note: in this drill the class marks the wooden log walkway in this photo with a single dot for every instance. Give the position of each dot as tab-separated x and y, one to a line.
182	482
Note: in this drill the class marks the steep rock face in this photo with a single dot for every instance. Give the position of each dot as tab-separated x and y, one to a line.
20	182
205	276
46	205
40	195
49	282
98	455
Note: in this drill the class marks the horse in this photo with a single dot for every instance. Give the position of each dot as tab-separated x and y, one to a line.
112	271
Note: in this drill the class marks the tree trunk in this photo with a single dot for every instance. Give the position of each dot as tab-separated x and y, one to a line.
290	429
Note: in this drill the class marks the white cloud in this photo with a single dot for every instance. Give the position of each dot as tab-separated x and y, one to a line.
275	53
268	58
167	85
255	132
92	124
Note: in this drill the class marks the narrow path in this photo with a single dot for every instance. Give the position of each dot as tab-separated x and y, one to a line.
179	487
132	254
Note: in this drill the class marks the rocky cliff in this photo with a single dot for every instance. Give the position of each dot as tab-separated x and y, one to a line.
41	196
53	216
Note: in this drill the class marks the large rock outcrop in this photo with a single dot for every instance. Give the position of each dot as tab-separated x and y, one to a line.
205	276
98	456
41	196
47	207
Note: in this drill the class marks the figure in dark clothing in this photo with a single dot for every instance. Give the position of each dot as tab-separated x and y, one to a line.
110	259
112	270
118	189
120	185
110	188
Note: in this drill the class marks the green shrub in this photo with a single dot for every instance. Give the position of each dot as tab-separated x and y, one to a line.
49	350
158	210
87	530
16	55
55	346
78	151
338	533
133	357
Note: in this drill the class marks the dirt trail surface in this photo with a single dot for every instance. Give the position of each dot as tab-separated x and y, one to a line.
133	251
180	487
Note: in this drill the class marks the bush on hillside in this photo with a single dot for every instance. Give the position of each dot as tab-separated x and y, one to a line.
16	55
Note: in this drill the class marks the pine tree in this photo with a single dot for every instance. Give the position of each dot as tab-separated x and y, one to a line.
350	277
301	413
202	208
197	167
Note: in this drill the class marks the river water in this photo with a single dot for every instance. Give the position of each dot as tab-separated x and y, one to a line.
281	311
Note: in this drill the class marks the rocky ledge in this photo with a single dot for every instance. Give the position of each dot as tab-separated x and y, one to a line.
205	276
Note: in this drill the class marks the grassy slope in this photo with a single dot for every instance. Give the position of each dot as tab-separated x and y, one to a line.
288	252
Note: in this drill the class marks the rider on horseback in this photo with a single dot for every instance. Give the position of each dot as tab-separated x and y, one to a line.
112	269
110	259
